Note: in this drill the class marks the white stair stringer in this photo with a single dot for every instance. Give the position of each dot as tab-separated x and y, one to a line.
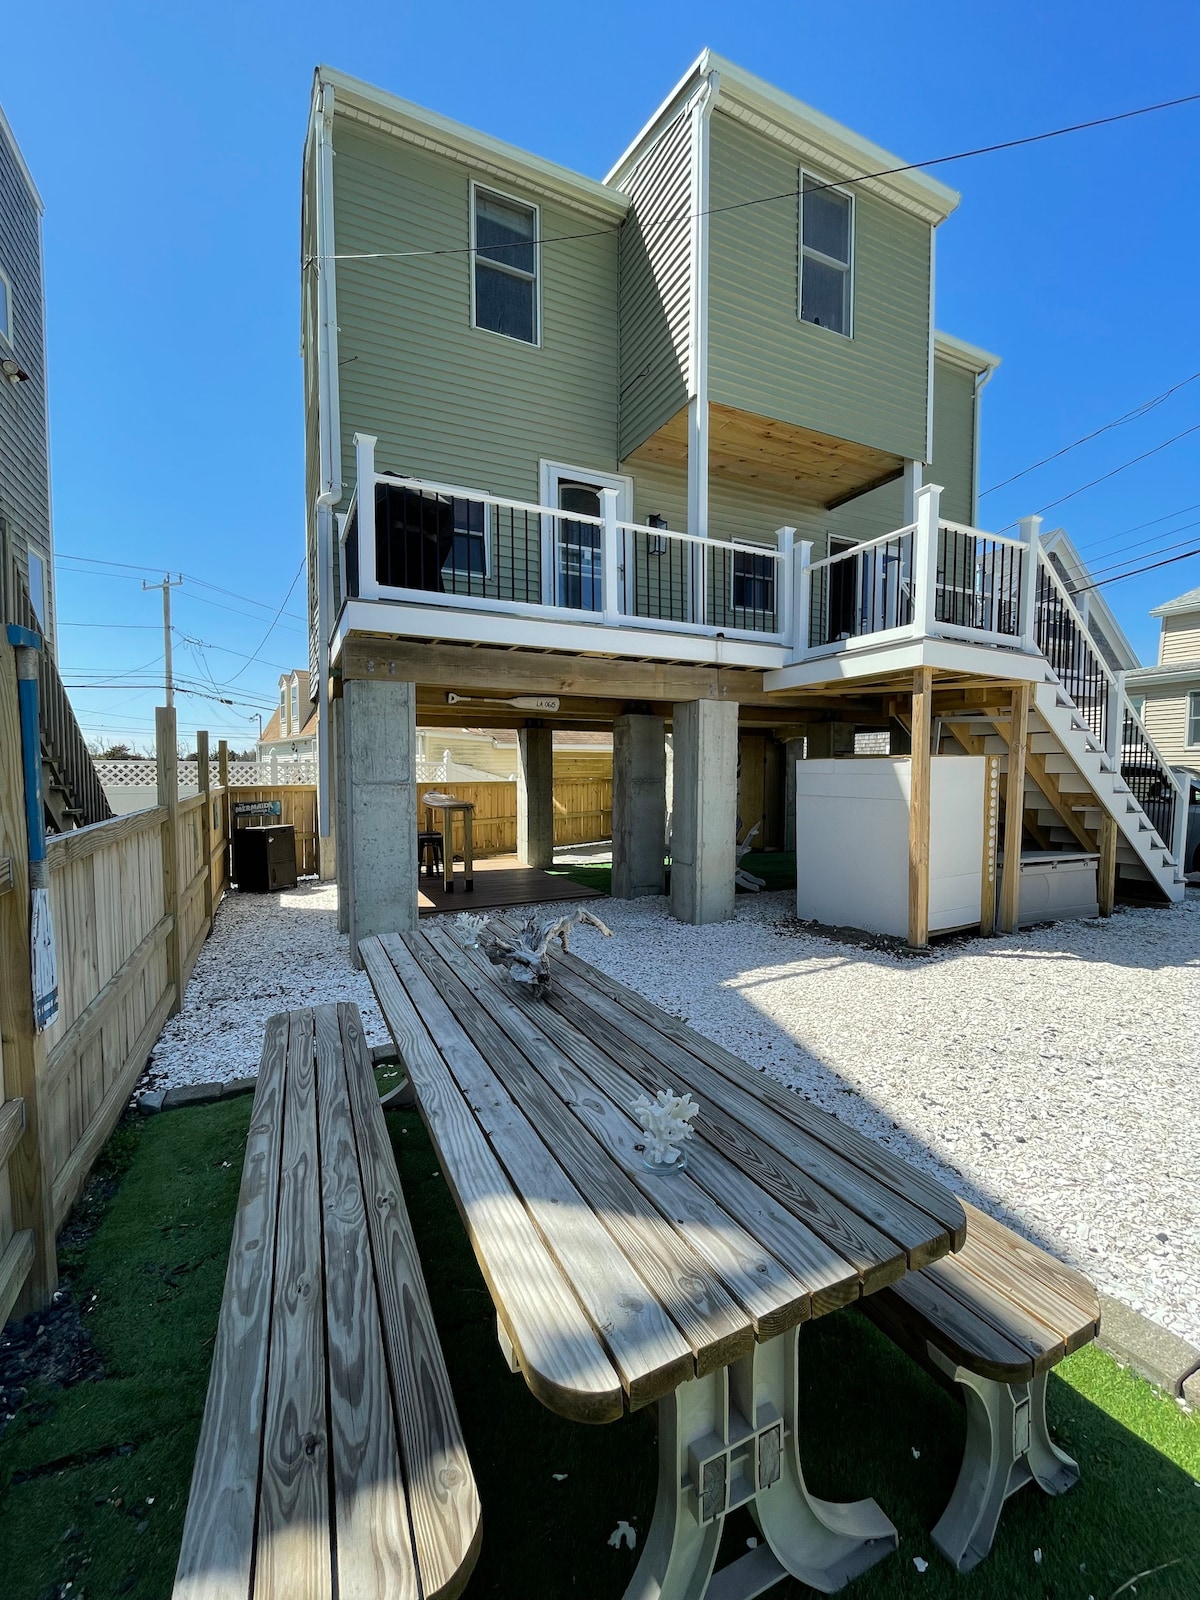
1138	845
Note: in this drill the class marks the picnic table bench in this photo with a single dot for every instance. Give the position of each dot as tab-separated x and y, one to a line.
330	1459
993	1320
615	1287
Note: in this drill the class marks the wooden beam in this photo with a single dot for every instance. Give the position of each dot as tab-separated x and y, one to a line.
1014	809
31	1279
67	847
918	813
1108	865
991	836
15	1264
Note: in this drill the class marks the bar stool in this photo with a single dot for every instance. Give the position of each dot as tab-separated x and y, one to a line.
429	854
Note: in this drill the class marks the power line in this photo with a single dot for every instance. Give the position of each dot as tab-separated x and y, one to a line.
1098	544
1138	411
1104	476
1159	550
251	659
787	194
1137	571
133	567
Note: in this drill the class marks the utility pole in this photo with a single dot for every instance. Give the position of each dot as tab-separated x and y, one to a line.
166	586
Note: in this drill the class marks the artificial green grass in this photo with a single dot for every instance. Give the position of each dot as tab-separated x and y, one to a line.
73	1509
777	867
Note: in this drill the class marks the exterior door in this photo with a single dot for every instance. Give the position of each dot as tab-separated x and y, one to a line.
577	549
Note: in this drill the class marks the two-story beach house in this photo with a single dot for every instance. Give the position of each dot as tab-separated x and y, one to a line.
682	449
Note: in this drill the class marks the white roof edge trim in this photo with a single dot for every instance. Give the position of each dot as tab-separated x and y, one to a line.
1059	539
535	171
1182	603
962	354
22	164
743	88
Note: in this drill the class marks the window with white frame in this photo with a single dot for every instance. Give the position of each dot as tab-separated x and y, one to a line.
6	309
1193	727
37	586
295	706
504	235
753	581
826	255
283	708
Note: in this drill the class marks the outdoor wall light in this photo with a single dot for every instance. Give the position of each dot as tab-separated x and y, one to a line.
13	371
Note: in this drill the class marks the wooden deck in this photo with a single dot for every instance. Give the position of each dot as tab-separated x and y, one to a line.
500	881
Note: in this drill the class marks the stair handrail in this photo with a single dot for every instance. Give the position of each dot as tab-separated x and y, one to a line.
1120	707
62	738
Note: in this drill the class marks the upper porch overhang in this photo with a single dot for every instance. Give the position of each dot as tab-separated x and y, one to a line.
745	448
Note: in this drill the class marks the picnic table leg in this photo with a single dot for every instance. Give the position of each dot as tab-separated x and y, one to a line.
729	1440
1008	1445
821	1542
468	851
685	1532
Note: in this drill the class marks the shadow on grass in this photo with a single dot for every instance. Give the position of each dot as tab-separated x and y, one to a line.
94	1478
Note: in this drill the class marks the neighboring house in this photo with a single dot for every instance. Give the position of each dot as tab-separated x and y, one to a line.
26	538
493	752
71	789
680	449
291	732
1168	694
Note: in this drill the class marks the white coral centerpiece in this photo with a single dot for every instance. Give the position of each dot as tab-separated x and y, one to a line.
470	924
667	1123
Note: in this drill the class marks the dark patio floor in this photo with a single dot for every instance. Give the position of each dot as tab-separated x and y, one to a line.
499	881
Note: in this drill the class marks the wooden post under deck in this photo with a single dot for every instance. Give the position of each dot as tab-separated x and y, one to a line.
918	813
1108	865
1014	810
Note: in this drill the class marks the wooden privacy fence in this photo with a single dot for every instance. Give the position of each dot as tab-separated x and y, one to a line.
582	812
132	902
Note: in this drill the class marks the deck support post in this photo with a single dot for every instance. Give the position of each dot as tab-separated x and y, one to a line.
340	854
704	819
1030	536
918	808
1108	865
991	837
639	803
535	797
380	787
793	751
1014	811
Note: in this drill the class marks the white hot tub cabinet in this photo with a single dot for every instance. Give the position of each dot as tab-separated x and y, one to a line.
852	842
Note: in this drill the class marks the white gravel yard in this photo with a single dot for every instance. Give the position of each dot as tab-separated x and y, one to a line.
1052	1076
266	953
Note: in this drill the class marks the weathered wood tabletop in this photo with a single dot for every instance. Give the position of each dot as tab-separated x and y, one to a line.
615	1286
446	806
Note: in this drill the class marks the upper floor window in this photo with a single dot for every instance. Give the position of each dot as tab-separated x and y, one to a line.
6	310
504	235
37	586
1193	727
295	707
753	581
826	255
283	728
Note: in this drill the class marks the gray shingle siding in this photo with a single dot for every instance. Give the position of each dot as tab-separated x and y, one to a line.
24	474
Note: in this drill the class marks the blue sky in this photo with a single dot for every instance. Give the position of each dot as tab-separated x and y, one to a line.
166	142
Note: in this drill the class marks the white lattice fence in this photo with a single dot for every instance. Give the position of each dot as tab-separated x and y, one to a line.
143	774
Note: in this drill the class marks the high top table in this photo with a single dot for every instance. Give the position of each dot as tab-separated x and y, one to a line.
446	805
615	1286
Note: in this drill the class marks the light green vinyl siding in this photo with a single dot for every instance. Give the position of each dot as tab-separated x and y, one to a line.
655	287
448	401
953	464
871	388
312	449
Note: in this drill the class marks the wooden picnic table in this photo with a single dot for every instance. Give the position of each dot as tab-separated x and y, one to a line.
615	1286
446	806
